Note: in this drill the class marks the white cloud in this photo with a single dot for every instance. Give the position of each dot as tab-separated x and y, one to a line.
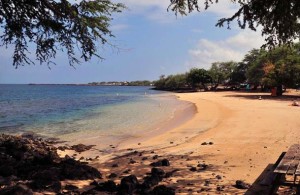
118	27
233	48
157	9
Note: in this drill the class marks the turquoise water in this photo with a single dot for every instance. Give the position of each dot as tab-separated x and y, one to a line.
68	111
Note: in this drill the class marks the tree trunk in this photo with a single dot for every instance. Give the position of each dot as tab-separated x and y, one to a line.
279	90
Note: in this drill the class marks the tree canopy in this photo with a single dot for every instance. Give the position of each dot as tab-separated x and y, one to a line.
53	25
279	19
260	68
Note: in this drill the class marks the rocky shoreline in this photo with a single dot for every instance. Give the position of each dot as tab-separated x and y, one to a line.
31	165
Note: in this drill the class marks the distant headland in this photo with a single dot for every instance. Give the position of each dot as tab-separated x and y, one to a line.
108	83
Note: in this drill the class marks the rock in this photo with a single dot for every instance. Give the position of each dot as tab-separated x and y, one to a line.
108	186
220	188
206	182
202	166
241	184
158	172
203	143
6	170
150	181
81	147
72	169
112	175
19	189
114	165
193	169
145	158
128	184
163	190
155	157
219	177
170	174
71	187
164	162
127	171
132	161
210	143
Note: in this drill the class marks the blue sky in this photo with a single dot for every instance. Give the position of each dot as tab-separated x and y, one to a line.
150	42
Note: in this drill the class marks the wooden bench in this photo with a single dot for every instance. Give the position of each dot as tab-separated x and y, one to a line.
290	164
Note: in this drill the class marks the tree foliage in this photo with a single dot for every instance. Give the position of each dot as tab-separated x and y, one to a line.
279	19
260	67
53	25
198	78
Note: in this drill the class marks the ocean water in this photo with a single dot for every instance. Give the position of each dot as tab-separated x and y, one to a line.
69	112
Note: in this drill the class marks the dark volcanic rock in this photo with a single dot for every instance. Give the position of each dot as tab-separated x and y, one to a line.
16	190
108	186
128	184
71	187
163	190
81	147
150	181
164	162
241	184
112	175
37	161
72	169
158	172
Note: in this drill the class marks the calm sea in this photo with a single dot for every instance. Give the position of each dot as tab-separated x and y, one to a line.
67	111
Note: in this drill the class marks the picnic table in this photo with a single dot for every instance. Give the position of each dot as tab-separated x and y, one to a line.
290	164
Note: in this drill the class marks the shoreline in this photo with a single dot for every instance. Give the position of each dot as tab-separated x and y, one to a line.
233	136
247	134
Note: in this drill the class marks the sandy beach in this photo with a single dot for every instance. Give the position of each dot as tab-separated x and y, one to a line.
235	134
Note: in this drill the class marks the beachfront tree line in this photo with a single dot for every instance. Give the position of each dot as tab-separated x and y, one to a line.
260	68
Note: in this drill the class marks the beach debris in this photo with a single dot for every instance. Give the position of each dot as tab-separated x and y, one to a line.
139	143
241	184
210	143
162	189
203	143
164	162
171	142
225	162
259	98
